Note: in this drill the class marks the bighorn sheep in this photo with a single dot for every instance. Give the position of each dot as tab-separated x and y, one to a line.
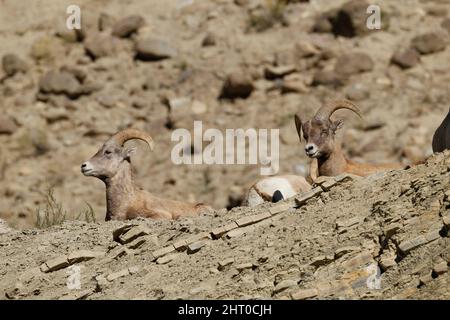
275	188
319	133
441	137
124	200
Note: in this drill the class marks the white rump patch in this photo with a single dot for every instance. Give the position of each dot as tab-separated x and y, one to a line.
272	184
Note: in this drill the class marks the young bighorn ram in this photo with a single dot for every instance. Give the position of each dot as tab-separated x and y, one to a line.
319	133
124	200
441	137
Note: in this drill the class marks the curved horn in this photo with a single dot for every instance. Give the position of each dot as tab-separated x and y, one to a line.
128	134
298	125
329	108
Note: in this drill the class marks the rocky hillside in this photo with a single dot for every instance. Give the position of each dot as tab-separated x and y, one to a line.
159	65
381	237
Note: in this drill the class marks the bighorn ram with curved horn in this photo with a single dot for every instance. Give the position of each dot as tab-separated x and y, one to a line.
124	200
319	133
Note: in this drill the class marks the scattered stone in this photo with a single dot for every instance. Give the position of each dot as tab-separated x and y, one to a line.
154	49
122	230
406	59
239	232
300	200
322	260
127	26
244	266
60	82
13	64
304	294
429	43
133	233
47	48
55	264
105	21
237	85
134	269
306	49
261	216
275	72
357	93
440	267
387	260
224	263
7	125
197	237
347	223
349	20
245	221
409	245
275	209
84	255
195	247
161	252
294	83
344	177
137	243
283	285
218	232
118	274
167	258
99	45
391	229
344	250
198	107
353	63
327	78
209	40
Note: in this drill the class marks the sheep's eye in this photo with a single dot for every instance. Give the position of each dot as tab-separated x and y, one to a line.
108	152
324	132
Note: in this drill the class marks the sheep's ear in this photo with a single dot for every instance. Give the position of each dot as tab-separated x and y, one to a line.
298	125
336	125
127	152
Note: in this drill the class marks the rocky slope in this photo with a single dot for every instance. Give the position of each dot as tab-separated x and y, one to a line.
327	244
158	65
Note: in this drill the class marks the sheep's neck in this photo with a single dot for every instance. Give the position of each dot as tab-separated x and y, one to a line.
332	164
119	190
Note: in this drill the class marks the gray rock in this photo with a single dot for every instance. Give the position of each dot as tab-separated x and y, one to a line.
327	78
283	285
353	63
128	25
406	59
154	49
99	45
13	64
7	126
237	85
427	43
60	82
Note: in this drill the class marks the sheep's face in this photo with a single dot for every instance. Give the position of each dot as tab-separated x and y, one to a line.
107	161
319	136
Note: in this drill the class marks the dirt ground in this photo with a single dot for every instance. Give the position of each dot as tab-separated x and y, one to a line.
289	56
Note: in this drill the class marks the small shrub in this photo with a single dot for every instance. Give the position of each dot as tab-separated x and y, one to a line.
54	213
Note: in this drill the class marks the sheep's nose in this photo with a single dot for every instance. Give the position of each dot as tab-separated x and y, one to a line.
83	165
310	149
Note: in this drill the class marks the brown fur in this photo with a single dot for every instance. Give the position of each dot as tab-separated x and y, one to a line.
329	160
124	200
